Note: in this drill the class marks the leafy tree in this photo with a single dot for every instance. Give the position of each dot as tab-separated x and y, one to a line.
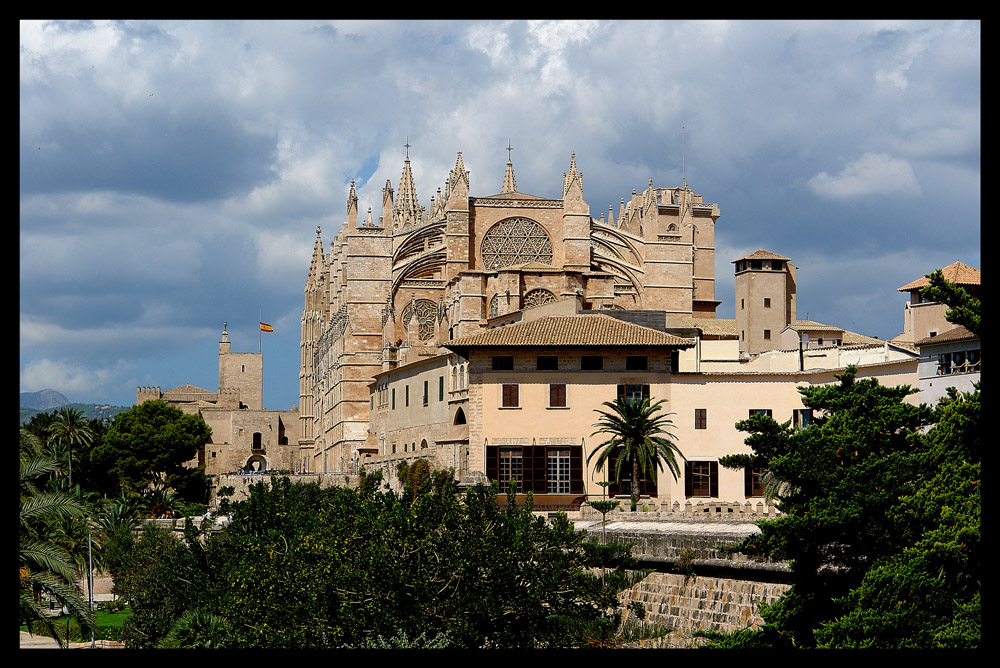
160	576
299	566
45	565
639	438
965	309
70	428
148	445
880	520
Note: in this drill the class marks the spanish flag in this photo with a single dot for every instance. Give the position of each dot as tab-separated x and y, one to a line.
264	327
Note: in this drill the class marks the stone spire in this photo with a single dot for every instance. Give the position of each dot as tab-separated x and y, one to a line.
573	186
352	207
509	184
407	209
457	187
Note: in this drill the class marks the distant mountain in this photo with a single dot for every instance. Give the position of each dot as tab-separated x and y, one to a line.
33	403
43	400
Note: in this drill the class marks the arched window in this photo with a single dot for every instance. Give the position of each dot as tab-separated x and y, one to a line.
536	298
460	416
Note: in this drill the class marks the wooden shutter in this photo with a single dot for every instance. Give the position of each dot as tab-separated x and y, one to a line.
493	462
576	469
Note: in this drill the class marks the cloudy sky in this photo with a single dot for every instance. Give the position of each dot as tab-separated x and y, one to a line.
173	174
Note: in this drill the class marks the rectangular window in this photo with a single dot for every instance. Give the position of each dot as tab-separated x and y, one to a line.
760	411
767	302
701	479
591	363
426	393
510	468
767	335
944	364
635	363
440	388
548	363
557	395
557	471
503	363
675	361
802	417
700	418
633	392
407	397
394	401
752	485
510	396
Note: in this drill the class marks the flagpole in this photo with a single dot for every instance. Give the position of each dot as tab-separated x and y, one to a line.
259	329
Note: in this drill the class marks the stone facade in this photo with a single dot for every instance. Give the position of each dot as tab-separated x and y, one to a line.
390	291
405	315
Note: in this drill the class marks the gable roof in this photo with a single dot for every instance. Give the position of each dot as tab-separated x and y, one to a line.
570	330
957	272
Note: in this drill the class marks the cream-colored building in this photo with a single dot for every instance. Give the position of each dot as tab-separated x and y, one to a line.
950	356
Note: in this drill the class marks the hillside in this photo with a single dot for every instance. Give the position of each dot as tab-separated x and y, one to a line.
43	400
33	403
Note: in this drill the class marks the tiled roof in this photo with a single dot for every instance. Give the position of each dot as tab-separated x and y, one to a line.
761	254
957	334
713	326
956	272
813	326
187	389
570	330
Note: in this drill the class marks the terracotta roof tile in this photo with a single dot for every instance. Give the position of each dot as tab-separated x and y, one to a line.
956	272
761	254
957	334
570	330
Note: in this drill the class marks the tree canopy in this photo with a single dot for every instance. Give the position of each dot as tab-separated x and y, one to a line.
304	567
881	519
149	444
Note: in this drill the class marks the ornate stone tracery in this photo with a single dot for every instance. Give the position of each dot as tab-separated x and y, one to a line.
516	241
537	297
426	313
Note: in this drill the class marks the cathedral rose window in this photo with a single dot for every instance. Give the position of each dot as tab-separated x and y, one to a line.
516	241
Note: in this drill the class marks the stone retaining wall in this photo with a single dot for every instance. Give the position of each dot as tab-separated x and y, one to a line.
691	603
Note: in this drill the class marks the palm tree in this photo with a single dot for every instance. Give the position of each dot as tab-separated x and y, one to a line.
45	566
70	428
639	438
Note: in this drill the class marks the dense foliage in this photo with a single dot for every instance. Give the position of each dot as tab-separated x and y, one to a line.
299	566
45	563
148	445
881	520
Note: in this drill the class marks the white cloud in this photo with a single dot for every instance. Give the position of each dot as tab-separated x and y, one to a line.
73	380
871	174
